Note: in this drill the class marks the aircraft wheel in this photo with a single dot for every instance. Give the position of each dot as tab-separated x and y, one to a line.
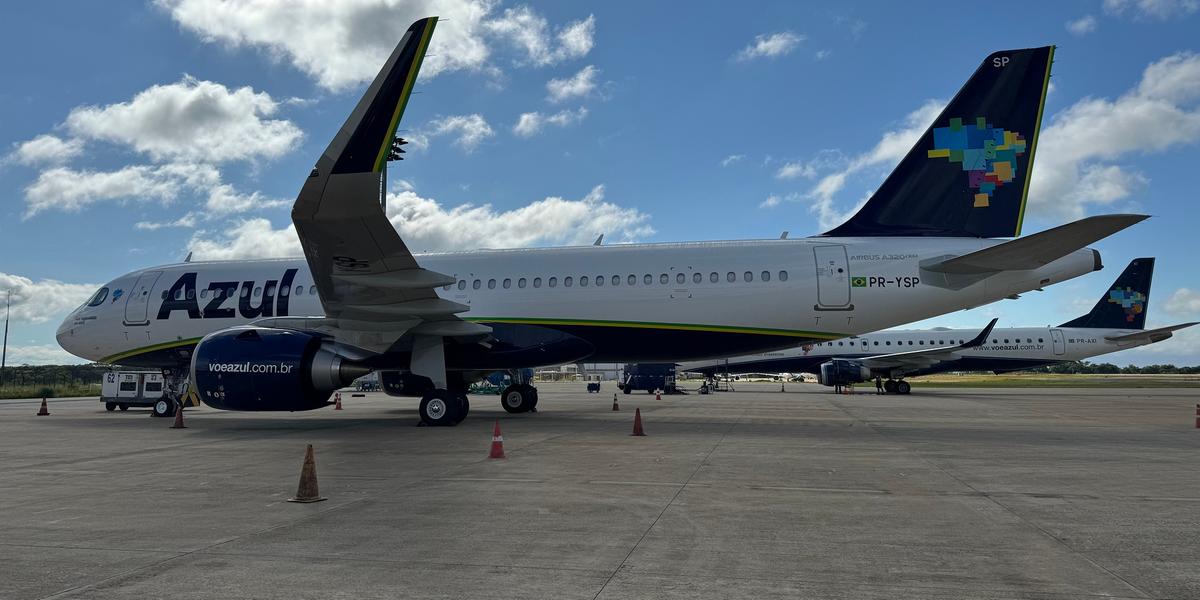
439	408
533	394
464	407
123	407
110	406
164	408
627	391
889	386
902	387
517	399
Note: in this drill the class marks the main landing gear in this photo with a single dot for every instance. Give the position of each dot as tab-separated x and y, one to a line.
519	398
442	408
893	386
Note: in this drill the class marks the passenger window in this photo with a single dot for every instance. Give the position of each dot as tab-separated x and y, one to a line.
179	294
491	284
876	343
507	283
616	280
714	277
1005	340
245	291
553	282
921	343
888	343
102	293
766	275
1040	341
204	293
697	278
191	294
462	284
521	283
783	275
537	282
1028	340
476	284
994	342
567	281
270	289
839	343
680	279
648	279
312	290
730	277
284	292
663	279
257	291
748	276
299	291
583	281
599	280
164	295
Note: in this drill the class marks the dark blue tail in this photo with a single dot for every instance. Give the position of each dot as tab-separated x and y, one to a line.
968	175
1123	306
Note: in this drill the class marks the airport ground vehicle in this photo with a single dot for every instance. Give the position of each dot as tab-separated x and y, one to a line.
123	389
650	377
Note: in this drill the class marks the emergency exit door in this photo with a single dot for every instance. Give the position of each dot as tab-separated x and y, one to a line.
833	278
1056	338
138	305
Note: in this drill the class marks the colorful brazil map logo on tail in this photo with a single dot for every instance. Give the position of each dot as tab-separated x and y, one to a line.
1132	302
988	154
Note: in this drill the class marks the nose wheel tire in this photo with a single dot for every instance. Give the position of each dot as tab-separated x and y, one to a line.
902	387
518	398
164	408
440	408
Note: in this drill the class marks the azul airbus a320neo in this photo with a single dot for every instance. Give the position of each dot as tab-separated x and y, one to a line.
282	334
1117	322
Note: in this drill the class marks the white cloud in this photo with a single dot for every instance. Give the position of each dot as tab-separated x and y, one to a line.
191	120
771	202
531	32
796	169
732	159
576	86
1077	149
70	190
426	225
189	220
1083	25
823	54
342	44
470	130
46	149
44	354
530	124
43	300
1151	9
770	45
1185	302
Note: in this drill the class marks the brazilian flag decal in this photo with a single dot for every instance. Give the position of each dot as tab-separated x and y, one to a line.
858	282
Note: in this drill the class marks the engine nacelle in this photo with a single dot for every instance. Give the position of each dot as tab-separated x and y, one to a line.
260	368
840	371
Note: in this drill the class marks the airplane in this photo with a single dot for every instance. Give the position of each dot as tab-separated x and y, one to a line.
283	334
1117	322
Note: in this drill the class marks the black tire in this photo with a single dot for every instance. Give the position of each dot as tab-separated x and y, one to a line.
533	396
165	407
516	399
123	407
889	386
464	408
627	391
902	387
439	408
110	406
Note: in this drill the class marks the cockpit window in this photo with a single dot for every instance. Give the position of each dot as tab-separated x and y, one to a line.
98	299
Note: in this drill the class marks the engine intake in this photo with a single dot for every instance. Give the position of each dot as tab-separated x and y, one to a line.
261	368
840	371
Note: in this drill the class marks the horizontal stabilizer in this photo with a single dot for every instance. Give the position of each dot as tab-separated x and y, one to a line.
1037	250
1149	336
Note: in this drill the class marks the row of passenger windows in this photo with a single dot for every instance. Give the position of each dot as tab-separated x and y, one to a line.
245	292
616	280
934	343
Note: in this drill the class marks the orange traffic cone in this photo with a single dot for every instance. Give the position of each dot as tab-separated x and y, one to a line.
616	407
637	422
178	424
307	490
44	411
657	395
337	401
497	442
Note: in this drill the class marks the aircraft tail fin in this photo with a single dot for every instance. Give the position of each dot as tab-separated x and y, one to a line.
1123	306
968	174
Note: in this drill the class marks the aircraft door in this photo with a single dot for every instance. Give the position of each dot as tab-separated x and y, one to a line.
1056	338
833	278
137	307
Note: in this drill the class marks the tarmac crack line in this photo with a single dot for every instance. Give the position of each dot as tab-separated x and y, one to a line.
670	502
1055	539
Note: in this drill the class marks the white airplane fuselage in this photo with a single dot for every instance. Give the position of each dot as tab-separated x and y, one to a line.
714	292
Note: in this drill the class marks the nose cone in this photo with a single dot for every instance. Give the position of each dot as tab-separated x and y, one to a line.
64	334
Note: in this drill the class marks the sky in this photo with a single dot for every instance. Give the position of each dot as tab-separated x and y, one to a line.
133	133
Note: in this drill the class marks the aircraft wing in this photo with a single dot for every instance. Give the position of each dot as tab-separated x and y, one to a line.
366	277
925	357
1149	336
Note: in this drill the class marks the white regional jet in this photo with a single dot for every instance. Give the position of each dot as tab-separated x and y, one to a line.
1116	323
282	334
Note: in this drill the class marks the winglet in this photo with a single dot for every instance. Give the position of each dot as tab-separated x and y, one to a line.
982	337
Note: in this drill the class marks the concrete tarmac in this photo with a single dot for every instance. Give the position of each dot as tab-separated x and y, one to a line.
944	494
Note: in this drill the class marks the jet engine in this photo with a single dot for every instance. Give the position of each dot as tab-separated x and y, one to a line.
840	371
261	368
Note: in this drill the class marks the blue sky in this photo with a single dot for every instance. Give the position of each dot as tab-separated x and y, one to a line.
137	131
